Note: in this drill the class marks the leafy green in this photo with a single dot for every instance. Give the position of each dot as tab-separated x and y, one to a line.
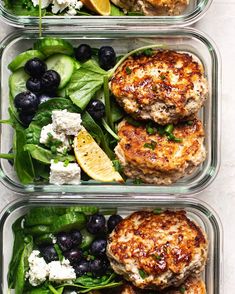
45	156
22	163
23	265
84	83
143	274
18	248
97	133
115	11
23	7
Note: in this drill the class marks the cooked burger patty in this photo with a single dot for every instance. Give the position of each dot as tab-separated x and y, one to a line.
155	251
153	7
165	87
193	285
154	158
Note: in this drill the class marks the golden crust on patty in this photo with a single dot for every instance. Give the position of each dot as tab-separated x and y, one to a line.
165	161
155	251
193	285
153	7
165	87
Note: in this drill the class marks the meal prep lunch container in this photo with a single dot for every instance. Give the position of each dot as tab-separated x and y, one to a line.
193	13
183	39
201	213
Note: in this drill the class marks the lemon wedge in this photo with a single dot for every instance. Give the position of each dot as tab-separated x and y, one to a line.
93	160
102	7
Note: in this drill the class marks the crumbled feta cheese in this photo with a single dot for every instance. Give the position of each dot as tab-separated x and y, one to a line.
38	269
66	122
65	174
45	3
47	132
71	11
61	271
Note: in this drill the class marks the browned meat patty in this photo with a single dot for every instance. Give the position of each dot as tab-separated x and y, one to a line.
155	251
193	285
156	160
166	87
153	7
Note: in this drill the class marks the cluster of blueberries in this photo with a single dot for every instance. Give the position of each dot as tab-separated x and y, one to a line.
41	86
94	259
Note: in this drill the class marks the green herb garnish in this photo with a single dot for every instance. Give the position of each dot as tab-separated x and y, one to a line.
143	274
148	52
66	162
151	145
128	70
150	129
182	289
117	165
162	77
137	181
157	211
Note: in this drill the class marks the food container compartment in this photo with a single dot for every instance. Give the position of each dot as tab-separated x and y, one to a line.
200	212
185	39
194	11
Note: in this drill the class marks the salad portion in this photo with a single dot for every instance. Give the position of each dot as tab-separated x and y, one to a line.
84	249
96	7
82	114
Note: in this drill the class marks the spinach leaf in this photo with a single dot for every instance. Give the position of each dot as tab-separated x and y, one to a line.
43	117
18	248
23	265
45	156
116	111
42	171
97	133
115	11
84	83
22	163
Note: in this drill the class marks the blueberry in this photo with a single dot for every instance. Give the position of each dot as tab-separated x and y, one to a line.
76	238
34	85
26	102
74	255
49	253
96	109
98	247
83	52
65	241
107	57
50	81
26	118
96	224
113	221
35	67
44	97
98	267
82	267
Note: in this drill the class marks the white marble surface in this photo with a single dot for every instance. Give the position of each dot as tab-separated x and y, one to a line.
219	24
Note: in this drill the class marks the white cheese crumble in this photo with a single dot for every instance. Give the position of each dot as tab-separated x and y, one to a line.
65	174
61	271
47	132
38	269
60	5
66	122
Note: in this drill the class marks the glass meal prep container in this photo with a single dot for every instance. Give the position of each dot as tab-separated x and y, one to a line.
194	11
184	39
200	212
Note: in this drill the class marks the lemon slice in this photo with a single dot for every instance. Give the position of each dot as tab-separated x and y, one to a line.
102	7
93	159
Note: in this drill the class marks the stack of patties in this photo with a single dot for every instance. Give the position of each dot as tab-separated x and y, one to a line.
163	252
162	90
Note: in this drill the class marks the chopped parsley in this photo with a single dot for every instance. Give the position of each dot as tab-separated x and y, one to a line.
128	70
162	77
150	129
151	145
182	289
148	52
143	274
158	257
137	181
117	165
157	211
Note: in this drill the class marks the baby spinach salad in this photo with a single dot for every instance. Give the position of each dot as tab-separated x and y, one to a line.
62	250
64	117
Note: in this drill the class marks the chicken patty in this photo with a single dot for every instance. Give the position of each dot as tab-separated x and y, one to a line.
166	86
154	158
157	250
153	7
